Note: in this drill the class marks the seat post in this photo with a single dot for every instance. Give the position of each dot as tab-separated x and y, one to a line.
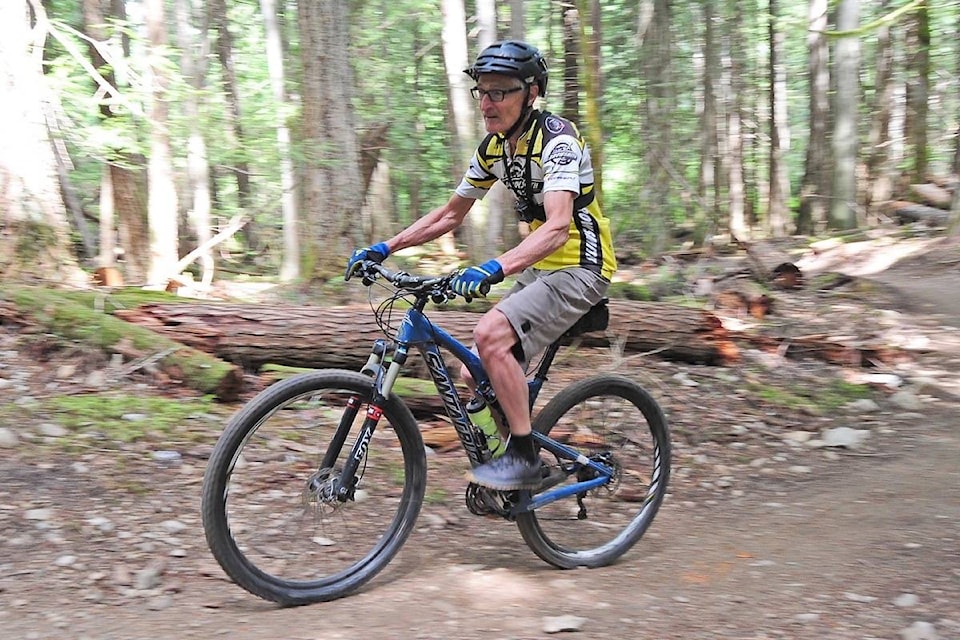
535	383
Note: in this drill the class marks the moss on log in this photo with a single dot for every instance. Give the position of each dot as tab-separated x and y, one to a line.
74	316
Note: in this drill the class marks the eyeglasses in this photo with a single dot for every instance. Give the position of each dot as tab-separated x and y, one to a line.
495	95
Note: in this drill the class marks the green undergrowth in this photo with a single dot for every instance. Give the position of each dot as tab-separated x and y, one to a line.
130	418
814	401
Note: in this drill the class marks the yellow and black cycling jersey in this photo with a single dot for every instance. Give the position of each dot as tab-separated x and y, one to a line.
551	155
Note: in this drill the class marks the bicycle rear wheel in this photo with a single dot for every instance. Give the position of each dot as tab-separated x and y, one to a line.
615	421
270	513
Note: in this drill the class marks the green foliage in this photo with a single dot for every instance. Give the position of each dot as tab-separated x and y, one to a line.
396	53
32	238
126	418
820	400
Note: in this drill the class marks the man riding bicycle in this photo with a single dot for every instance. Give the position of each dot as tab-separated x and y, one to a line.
564	264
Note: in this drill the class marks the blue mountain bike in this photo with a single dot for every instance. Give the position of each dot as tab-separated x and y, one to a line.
317	482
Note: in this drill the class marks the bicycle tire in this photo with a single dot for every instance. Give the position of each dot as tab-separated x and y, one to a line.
264	461
586	415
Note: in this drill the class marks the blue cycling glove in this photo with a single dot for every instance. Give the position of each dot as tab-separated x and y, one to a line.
470	282
377	253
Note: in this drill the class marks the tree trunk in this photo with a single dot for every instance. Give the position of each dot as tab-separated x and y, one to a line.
779	129
658	106
918	88
255	335
192	41
290	267
589	13
123	201
737	224
35	243
509	232
235	136
518	28
332	199
571	66
130	197
814	192
501	229
843	213
953	224
878	172
108	242
709	130
162	212
461	120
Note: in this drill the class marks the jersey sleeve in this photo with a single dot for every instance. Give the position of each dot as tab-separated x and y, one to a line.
562	157
479	177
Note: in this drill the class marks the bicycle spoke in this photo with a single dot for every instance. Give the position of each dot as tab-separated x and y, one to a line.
280	520
612	422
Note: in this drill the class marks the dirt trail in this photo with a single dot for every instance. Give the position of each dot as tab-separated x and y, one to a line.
757	539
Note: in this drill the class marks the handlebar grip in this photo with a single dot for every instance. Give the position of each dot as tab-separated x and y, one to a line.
484	289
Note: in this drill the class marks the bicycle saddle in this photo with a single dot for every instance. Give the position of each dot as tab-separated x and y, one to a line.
596	319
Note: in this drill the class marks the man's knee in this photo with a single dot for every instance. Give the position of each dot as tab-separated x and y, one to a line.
494	334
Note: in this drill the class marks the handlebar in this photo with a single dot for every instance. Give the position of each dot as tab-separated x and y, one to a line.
436	287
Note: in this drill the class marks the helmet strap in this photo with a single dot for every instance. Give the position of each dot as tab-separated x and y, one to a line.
522	118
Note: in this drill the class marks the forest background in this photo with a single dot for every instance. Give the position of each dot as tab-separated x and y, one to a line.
270	138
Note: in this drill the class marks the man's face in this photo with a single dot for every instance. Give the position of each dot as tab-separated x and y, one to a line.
498	117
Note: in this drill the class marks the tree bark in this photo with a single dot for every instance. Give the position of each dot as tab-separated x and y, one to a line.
733	90
332	198
235	134
571	56
517	20
461	121
589	12
501	229
192	41
878	171
656	53
290	267
779	129
843	212
124	179
918	89
255	335
815	190
162	211
709	130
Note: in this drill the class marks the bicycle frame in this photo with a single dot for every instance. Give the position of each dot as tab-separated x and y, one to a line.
416	330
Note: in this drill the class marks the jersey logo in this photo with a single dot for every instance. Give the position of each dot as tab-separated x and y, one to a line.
562	154
553	125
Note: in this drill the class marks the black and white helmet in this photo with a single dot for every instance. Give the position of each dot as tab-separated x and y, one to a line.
512	58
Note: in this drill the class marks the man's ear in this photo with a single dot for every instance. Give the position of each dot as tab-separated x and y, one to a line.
534	94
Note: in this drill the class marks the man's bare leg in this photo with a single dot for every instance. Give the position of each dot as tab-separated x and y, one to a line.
518	468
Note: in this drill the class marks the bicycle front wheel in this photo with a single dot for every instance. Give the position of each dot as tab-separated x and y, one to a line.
614	421
270	508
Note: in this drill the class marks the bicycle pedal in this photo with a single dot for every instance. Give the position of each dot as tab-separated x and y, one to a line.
485	502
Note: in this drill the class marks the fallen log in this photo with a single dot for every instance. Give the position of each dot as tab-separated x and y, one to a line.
907	212
847	353
932	195
66	315
316	337
771	265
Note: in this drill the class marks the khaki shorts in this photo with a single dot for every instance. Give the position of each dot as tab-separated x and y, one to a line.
542	305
